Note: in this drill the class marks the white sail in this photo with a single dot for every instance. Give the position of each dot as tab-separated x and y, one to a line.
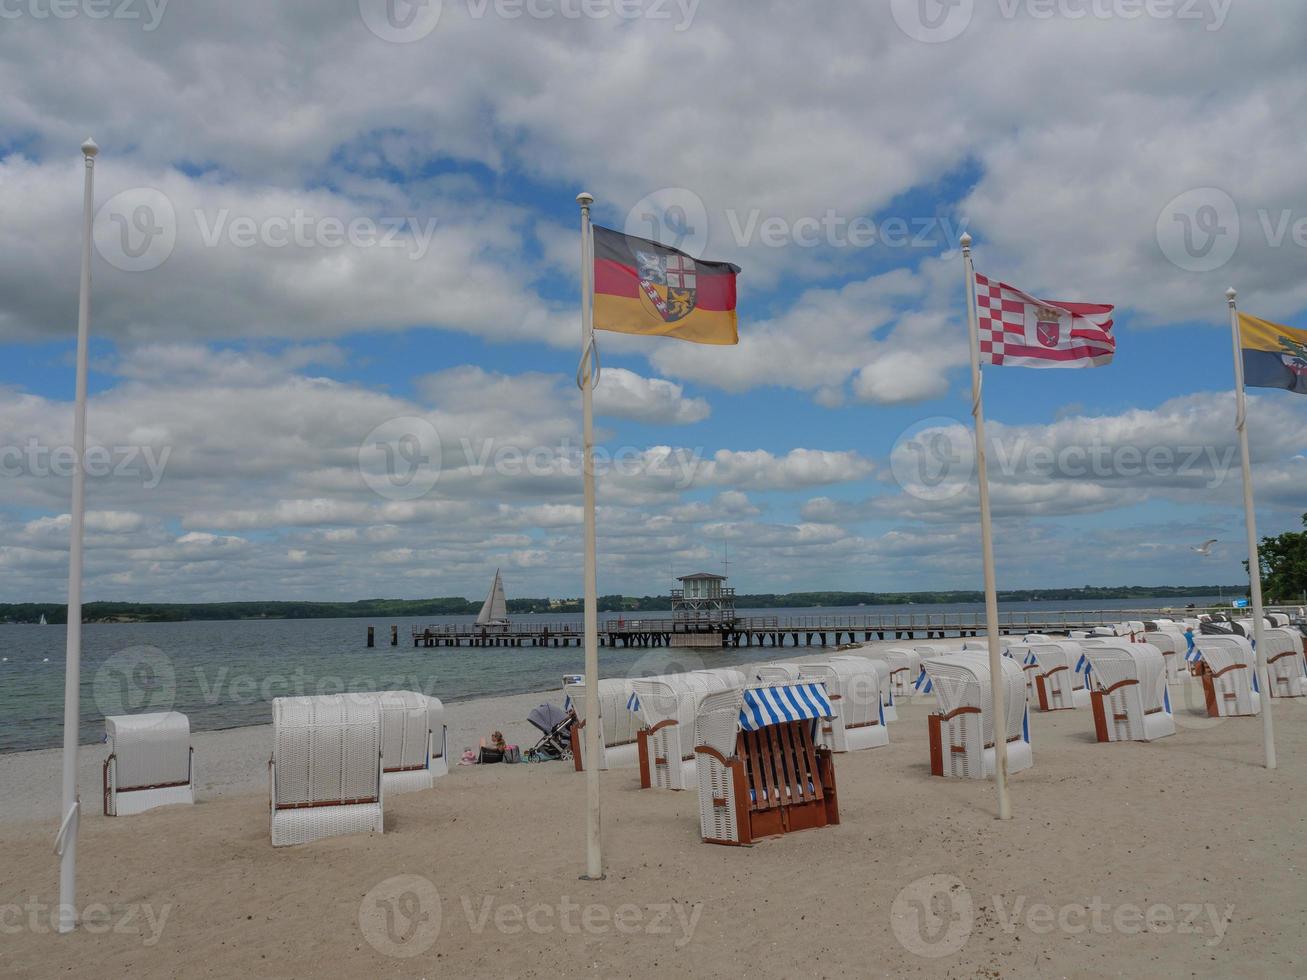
495	609
42	619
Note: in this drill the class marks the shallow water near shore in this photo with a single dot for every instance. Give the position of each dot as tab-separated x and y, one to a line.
223	674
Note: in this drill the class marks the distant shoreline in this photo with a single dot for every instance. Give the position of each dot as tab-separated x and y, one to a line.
179	612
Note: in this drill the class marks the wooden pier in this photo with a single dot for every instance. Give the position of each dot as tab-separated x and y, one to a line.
773	631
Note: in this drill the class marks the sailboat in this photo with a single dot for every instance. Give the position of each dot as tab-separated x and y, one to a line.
494	612
42	623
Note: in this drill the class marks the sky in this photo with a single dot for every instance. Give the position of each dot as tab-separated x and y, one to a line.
335	301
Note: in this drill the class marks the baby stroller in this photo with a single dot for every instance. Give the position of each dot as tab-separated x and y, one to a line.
555	742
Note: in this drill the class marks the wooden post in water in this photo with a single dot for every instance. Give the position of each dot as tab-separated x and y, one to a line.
372	640
394	635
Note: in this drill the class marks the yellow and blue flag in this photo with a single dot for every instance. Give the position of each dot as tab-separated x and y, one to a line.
1274	356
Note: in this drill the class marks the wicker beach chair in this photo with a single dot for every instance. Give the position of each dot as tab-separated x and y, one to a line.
667	707
619	722
1169	639
1058	685
1130	697
150	763
867	662
904	666
854	686
1229	676
759	769
413	741
1285	665
325	771
962	731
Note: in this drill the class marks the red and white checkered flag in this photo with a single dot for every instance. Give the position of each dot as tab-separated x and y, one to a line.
1018	330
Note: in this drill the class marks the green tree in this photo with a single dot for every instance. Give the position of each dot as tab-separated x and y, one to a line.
1284	565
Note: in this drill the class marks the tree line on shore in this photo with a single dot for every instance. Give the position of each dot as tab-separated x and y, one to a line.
136	612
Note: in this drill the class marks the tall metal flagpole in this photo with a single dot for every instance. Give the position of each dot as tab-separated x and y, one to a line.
996	680
66	841
586	378
1250	522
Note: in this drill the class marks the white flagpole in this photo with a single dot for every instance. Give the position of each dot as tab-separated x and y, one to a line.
1250	522
997	682
66	841
594	861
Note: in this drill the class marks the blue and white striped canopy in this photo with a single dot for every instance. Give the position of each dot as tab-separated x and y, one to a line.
765	706
923	683
1031	659
633	702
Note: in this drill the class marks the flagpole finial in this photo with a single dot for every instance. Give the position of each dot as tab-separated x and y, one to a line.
1230	294
585	199
90	148
965	239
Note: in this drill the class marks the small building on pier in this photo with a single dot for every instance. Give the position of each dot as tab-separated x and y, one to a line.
704	604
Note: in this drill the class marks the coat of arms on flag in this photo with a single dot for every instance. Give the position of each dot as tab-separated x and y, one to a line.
1016	329
642	286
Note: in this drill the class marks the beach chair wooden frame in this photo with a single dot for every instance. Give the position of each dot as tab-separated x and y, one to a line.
774	781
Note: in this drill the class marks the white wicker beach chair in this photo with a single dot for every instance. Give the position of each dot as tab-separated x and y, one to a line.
777	673
1230	678
1169	639
1285	667
854	685
667	707
150	763
1058	685
1130	698
904	666
759	770
325	770
619	723
413	740
962	731
889	710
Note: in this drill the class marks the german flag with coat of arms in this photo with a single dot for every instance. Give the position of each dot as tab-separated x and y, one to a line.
643	287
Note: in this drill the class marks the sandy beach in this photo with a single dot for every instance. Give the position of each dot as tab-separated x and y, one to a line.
1121	859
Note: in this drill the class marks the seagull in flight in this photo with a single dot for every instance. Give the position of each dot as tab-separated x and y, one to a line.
1204	549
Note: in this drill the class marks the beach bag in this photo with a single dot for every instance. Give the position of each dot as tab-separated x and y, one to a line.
512	754
488	755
